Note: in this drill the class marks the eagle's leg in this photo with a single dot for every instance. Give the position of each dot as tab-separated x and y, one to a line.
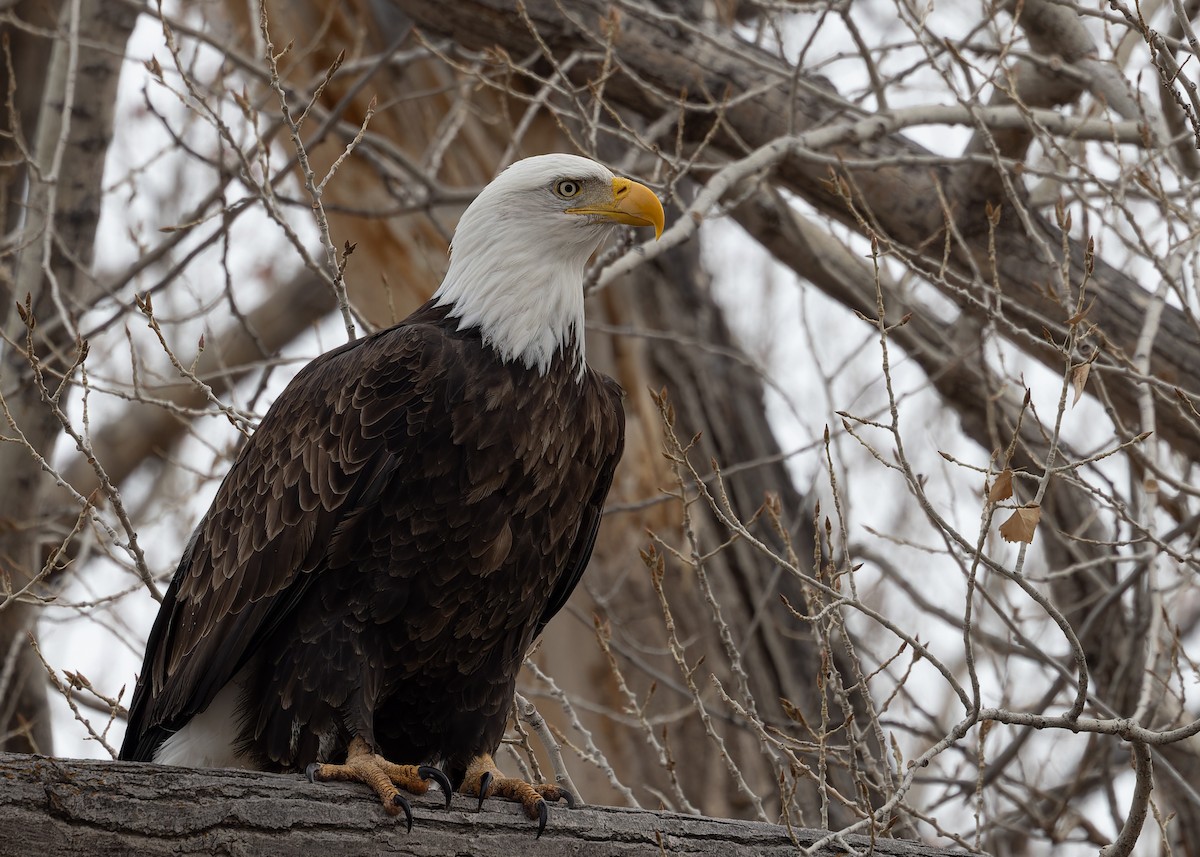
483	779
364	766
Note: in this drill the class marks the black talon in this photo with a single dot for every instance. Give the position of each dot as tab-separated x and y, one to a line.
563	794
402	802
311	771
485	780
429	772
543	815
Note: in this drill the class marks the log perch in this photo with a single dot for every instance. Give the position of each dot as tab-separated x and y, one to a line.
65	807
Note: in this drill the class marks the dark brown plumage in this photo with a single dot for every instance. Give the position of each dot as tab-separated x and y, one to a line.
406	519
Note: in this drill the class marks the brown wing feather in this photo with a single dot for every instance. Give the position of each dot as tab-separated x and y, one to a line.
409	514
608	423
255	553
500	566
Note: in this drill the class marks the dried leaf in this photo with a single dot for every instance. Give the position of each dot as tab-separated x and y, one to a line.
1020	527
792	711
1002	488
242	100
1079	376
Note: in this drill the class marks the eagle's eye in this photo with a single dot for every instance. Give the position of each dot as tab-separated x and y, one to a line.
568	188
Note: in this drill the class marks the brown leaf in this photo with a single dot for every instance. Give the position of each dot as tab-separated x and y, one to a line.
1002	488
1020	527
243	101
792	711
1079	376
1079	317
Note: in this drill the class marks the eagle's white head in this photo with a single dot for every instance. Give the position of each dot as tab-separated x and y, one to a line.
518	255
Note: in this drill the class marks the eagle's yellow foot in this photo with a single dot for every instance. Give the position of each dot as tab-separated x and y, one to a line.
364	766
483	779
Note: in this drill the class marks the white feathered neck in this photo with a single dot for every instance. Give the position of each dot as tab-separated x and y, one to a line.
517	262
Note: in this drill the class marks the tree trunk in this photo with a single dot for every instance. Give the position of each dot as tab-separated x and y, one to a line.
51	278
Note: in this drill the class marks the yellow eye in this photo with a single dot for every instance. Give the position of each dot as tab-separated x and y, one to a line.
567	188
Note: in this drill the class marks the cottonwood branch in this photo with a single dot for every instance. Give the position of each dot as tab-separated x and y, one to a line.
896	182
1088	597
143	431
96	808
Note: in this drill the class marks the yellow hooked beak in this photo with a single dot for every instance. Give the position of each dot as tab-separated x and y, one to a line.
632	204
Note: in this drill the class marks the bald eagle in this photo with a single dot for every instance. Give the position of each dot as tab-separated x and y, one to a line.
411	512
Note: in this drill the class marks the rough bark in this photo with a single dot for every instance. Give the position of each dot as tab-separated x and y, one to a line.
64	807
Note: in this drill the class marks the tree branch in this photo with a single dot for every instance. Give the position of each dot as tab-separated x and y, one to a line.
79	807
899	186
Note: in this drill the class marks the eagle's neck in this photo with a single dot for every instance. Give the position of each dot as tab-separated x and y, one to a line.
523	292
